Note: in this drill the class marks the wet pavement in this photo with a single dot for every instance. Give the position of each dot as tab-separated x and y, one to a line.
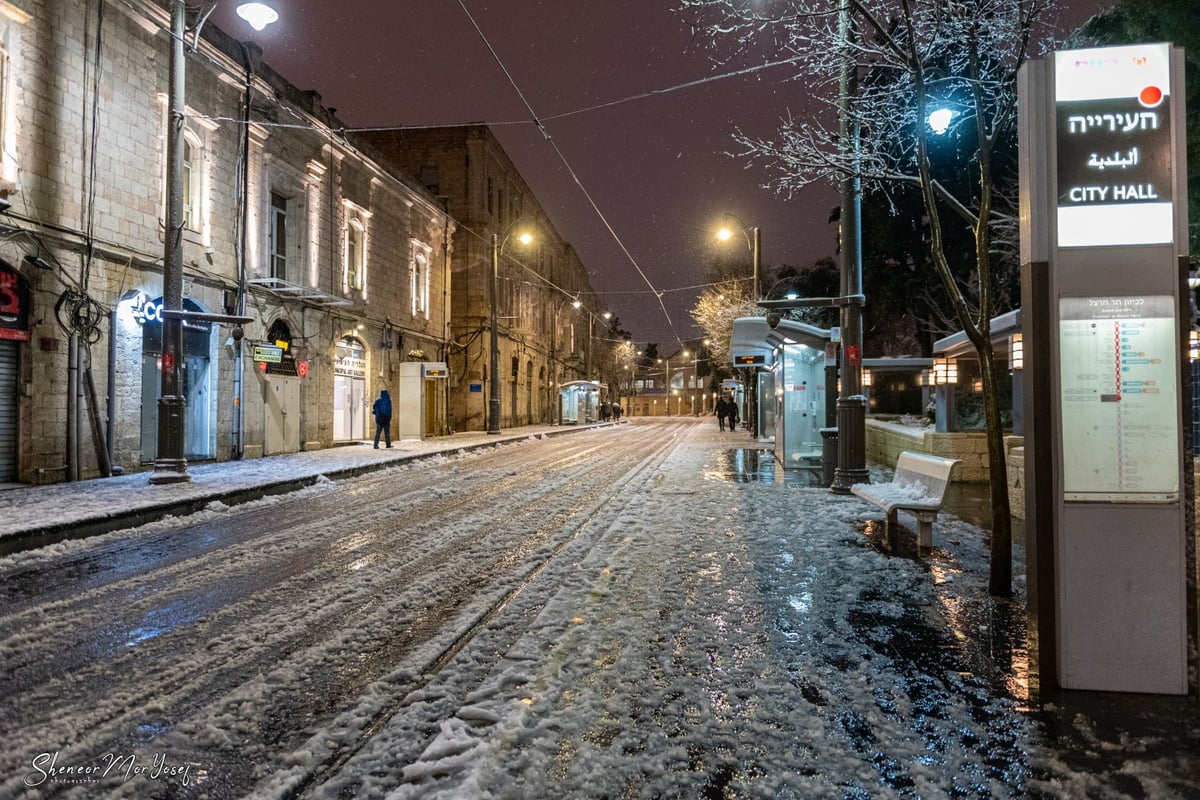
960	644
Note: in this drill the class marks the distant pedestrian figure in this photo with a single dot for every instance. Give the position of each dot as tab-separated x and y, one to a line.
616	412
605	410
722	411
382	409
733	414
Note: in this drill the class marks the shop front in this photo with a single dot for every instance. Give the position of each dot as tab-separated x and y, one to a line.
198	379
350	390
14	330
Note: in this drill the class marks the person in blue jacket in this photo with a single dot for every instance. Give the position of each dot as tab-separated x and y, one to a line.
382	409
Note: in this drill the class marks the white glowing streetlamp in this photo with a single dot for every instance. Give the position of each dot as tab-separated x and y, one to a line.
259	14
939	120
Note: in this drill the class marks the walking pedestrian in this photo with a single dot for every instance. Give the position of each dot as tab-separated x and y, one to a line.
616	411
733	414
382	409
722	411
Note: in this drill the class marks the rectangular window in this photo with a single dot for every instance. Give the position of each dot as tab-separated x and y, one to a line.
278	243
188	181
355	254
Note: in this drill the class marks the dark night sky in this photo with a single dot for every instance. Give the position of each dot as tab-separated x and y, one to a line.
656	168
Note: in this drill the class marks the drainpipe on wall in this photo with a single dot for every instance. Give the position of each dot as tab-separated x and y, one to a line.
239	414
73	407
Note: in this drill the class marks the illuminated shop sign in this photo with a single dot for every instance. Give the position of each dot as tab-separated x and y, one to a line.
350	366
147	310
268	353
14	304
1115	165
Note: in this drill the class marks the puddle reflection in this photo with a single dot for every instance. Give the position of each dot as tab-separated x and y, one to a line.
754	465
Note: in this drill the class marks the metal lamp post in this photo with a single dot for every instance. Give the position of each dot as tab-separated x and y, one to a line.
851	404
754	240
494	345
170	465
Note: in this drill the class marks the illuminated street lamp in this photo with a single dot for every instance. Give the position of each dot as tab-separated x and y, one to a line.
939	120
587	354
754	240
170	465
494	303
259	14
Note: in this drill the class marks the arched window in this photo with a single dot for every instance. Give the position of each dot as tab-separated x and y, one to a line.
354	249
420	279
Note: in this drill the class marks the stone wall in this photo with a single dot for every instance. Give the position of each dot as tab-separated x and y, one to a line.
1016	475
886	440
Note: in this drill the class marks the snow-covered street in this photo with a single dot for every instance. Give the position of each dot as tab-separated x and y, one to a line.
619	612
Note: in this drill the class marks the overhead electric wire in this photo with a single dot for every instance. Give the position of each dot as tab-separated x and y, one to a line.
677	87
570	170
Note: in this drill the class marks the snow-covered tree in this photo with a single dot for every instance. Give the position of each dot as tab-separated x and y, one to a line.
715	310
911	58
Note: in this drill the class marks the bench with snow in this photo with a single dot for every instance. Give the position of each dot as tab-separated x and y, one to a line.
919	485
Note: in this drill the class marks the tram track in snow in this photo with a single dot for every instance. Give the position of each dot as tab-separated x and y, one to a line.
188	683
314	779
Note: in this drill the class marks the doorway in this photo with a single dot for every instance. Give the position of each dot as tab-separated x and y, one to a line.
350	390
195	382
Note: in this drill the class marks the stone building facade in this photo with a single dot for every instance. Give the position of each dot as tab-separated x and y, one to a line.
341	262
551	325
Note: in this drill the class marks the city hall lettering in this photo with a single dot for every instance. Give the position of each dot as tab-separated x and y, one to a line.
1119	194
1112	155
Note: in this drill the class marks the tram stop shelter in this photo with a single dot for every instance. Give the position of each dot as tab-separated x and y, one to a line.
579	401
794	383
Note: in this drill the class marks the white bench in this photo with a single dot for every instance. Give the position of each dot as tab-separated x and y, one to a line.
919	485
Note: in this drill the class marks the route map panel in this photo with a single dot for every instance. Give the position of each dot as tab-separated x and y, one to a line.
1120	431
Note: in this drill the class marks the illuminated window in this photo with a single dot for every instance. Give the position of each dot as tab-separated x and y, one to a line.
277	243
356	239
419	279
193	170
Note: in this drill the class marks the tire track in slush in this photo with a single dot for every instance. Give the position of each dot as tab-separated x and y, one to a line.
210	676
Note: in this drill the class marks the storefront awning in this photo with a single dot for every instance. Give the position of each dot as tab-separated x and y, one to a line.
285	290
754	341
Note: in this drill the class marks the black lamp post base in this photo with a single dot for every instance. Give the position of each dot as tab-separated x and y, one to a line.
852	444
170	470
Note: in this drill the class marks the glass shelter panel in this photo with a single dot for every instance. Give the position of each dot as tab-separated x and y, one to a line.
801	405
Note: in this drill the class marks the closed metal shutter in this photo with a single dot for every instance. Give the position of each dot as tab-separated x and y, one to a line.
8	411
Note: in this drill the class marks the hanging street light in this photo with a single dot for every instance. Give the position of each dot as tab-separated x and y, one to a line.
259	14
170	465
494	334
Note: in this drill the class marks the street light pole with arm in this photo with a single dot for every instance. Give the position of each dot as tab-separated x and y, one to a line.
170	464
494	333
754	242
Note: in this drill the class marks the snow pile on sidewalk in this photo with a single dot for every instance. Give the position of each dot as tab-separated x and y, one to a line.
723	639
